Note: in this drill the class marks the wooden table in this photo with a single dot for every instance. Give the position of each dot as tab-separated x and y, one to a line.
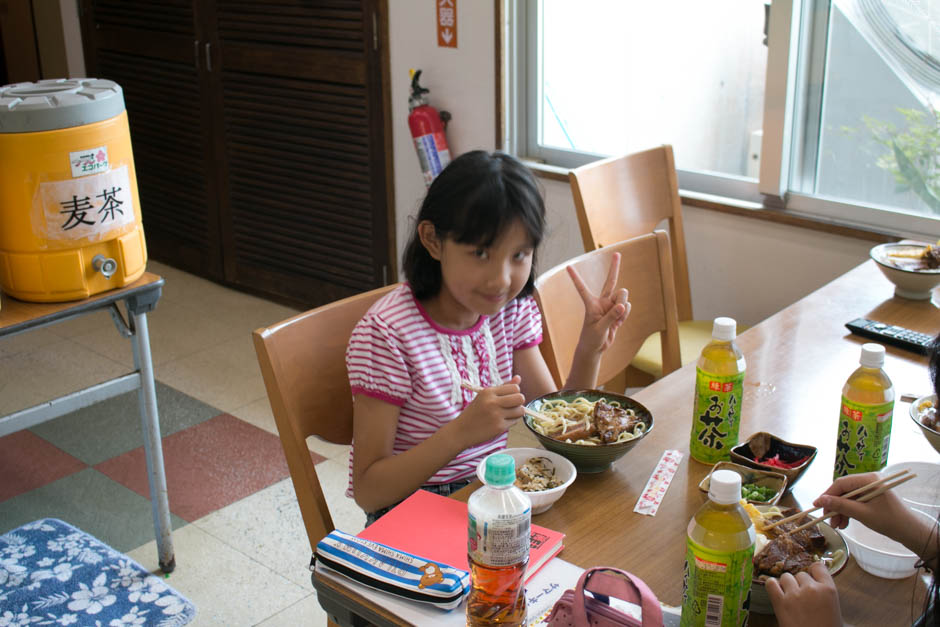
797	363
139	298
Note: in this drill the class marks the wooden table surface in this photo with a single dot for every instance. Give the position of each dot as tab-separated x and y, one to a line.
797	363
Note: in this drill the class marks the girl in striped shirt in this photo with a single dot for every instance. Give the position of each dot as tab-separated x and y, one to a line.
465	314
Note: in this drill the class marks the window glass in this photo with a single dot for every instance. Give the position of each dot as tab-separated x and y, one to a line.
879	138
616	77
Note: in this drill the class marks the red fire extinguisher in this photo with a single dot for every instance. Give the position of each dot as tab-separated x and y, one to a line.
427	130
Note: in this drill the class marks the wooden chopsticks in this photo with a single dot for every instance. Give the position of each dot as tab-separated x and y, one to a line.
529	412
864	494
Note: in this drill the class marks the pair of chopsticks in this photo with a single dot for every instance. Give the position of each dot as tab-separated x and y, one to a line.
863	494
529	412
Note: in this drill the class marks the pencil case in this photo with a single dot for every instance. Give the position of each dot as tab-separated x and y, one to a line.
387	569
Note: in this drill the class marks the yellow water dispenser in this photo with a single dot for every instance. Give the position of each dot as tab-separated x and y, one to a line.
70	223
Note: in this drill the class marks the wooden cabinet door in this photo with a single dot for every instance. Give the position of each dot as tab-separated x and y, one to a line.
151	48
260	137
301	145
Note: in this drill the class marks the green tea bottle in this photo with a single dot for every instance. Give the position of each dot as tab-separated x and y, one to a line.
718	558
719	385
865	417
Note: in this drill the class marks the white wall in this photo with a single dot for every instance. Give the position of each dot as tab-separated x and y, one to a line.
461	80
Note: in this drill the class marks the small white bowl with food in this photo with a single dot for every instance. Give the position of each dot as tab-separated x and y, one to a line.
913	268
926	413
542	475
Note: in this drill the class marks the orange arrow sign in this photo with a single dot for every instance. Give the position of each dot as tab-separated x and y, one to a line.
447	23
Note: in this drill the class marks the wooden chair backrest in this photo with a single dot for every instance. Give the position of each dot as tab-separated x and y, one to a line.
646	271
303	364
622	197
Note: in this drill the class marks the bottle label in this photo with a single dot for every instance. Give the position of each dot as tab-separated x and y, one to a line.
501	540
716	586
863	438
717	415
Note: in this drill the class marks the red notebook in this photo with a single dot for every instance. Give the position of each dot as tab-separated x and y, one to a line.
434	526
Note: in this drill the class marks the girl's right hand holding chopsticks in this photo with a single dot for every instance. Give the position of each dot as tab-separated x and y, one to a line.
883	514
887	514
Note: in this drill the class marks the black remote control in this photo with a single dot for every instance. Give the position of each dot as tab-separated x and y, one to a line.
891	334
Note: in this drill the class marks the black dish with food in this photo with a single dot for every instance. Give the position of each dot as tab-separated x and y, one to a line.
766	451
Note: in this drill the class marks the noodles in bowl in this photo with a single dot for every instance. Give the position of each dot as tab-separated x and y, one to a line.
592	428
588	422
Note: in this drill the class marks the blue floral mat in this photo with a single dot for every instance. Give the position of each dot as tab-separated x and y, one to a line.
52	573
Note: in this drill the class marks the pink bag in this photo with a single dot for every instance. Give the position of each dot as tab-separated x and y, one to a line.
576	609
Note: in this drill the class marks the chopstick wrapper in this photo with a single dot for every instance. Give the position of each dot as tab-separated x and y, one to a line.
390	570
655	490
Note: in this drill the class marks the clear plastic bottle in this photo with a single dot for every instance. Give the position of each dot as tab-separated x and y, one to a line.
865	416
719	557
499	517
719	386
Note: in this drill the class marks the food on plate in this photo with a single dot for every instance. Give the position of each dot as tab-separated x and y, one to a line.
588	422
780	550
537	474
915	258
927	415
776	462
754	492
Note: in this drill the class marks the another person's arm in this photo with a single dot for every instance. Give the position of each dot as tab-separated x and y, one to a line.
809	599
885	514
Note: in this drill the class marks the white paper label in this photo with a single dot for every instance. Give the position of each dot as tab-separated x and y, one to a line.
91	207
91	161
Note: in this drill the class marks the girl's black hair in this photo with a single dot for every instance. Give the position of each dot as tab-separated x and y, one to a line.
933	364
472	201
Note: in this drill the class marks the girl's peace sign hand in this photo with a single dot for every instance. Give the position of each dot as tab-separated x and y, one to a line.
603	313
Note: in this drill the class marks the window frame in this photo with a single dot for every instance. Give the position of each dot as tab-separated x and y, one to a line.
792	105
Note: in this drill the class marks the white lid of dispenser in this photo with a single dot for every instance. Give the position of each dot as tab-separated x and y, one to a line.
58	103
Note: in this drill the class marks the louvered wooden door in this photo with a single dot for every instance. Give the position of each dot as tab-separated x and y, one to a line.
302	152
294	147
150	48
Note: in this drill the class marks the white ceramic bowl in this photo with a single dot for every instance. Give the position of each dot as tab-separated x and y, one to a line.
912	284
923	491
932	436
543	499
877	554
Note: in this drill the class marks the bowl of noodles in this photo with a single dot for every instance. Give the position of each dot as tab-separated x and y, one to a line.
592	428
542	475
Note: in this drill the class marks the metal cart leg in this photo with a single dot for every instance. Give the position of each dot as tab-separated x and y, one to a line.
150	427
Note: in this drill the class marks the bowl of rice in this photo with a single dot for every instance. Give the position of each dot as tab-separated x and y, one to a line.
592	428
542	475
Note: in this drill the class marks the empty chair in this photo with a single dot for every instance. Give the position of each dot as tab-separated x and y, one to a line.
646	271
622	197
303	363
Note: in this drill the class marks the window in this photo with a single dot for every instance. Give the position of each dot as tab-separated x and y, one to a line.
833	111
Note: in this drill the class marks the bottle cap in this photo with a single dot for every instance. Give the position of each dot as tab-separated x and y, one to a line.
500	470
724	329
724	487
873	355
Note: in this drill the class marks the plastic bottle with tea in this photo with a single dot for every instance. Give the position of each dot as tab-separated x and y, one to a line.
499	518
719	386
718	558
864	431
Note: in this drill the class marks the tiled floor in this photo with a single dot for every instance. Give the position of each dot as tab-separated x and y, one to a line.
241	549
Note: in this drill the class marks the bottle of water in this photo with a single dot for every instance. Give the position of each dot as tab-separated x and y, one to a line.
499	517
719	386
865	416
719	558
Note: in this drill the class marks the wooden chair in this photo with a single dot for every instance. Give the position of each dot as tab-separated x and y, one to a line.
303	363
646	271
622	197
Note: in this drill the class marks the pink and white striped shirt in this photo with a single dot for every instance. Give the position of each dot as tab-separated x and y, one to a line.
399	355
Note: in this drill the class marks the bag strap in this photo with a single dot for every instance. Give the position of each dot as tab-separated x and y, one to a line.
613	582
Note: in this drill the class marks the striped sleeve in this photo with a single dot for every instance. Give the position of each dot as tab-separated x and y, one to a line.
375	362
527	327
